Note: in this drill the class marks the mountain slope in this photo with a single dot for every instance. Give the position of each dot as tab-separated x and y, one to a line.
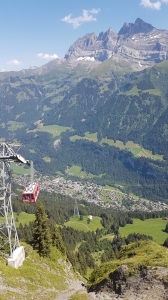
141	272
118	105
139	44
23	101
39	278
86	98
137	109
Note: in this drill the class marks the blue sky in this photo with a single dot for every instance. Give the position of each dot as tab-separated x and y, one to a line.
36	31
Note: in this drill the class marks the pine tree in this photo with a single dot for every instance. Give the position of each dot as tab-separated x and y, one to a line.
82	263
165	244
166	228
103	258
41	232
57	240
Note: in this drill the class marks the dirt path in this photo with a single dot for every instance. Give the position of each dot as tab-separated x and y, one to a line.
82	224
74	287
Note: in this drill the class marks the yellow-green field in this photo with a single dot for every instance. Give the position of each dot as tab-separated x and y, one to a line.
55	130
152	227
76	171
88	136
83	225
20	170
136	149
23	218
78	296
47	159
12	125
108	236
38	277
91	136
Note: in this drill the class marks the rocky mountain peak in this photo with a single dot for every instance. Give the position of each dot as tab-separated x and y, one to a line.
139	44
134	28
90	47
88	39
107	34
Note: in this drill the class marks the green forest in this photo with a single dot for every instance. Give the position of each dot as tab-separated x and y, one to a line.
85	250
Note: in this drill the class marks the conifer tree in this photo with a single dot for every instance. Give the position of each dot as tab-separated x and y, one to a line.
41	232
82	263
57	240
166	228
165	244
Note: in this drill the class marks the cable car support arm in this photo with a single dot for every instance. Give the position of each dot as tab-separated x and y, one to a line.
8	233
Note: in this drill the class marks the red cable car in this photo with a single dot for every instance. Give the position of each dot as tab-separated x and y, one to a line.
30	193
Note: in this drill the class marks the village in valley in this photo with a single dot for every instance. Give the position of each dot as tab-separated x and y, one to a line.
105	196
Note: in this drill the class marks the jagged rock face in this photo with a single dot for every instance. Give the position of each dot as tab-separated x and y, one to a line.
144	283
140	44
91	47
138	27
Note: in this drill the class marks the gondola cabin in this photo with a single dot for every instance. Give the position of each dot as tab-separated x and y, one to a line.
30	193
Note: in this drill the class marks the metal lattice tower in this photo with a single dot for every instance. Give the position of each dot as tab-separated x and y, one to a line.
9	240
76	210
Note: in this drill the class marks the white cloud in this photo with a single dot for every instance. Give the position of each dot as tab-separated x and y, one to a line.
14	62
87	16
154	5
164	1
47	56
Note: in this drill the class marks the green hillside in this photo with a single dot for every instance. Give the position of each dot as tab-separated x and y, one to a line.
83	225
105	70
37	278
151	227
66	119
142	253
25	99
122	106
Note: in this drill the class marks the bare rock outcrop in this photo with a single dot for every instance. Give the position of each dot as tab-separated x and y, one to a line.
143	283
140	44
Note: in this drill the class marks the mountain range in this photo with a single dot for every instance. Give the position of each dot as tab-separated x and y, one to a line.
140	44
113	86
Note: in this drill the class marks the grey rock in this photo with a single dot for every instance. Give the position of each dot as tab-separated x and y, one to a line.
140	44
138	27
145	283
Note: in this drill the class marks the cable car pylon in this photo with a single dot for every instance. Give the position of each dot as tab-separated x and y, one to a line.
76	210
9	241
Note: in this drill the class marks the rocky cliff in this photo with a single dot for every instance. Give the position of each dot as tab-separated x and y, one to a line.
146	283
140	44
140	273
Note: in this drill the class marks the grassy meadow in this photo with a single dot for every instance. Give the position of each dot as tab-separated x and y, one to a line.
76	171
152	227
55	130
136	149
23	218
20	170
88	136
144	253
83	225
38	278
13	125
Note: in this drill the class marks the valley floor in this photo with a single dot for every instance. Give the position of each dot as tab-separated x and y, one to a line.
103	196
